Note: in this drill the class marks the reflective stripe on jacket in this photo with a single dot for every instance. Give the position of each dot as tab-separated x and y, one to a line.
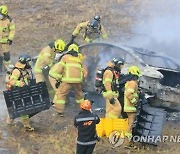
7	30
130	96
108	84
45	58
69	70
86	122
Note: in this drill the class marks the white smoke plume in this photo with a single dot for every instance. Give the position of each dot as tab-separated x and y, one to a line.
158	27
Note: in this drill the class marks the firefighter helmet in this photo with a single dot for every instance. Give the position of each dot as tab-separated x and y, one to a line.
4	10
134	70
24	58
73	47
86	105
59	45
118	61
94	24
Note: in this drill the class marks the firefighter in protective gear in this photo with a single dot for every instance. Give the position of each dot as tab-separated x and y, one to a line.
7	32
69	71
86	122
45	61
130	101
18	78
110	83
93	30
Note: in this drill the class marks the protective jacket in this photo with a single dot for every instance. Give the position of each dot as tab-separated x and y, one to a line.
110	80
45	58
68	70
90	35
131	96
7	30
86	122
19	76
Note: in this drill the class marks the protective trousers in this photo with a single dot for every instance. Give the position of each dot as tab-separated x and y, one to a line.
62	92
40	78
85	149
4	52
53	82
113	110
131	118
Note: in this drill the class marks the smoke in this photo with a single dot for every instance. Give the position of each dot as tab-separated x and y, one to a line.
158	27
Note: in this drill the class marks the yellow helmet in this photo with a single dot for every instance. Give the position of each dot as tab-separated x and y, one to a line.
3	10
73	47
134	70
59	45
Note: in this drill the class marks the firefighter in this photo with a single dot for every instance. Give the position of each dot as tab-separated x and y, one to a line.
93	30
86	122
20	77
110	83
45	61
130	101
69	71
7	32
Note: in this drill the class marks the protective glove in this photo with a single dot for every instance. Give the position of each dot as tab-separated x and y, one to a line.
70	42
112	101
9	41
72	38
45	70
57	84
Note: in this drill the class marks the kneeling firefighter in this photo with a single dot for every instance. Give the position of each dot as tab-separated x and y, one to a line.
69	73
110	83
20	77
131	100
45	61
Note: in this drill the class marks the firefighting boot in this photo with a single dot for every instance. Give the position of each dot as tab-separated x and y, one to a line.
59	108
27	125
6	64
128	144
9	121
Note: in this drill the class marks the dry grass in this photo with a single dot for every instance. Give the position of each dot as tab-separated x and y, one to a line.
38	22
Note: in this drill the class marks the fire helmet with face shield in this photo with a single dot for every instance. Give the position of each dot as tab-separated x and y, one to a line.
93	24
25	59
4	10
118	62
59	45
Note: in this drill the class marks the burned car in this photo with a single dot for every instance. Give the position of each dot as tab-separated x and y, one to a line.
160	74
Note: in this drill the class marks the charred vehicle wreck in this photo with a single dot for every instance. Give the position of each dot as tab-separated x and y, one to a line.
160	74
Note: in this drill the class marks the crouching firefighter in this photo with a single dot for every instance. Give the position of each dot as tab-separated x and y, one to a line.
20	77
45	62
110	84
86	122
93	30
69	74
131	97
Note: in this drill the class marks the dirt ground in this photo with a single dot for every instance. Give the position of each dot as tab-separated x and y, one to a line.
38	22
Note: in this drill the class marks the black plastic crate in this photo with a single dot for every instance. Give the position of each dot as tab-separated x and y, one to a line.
27	100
